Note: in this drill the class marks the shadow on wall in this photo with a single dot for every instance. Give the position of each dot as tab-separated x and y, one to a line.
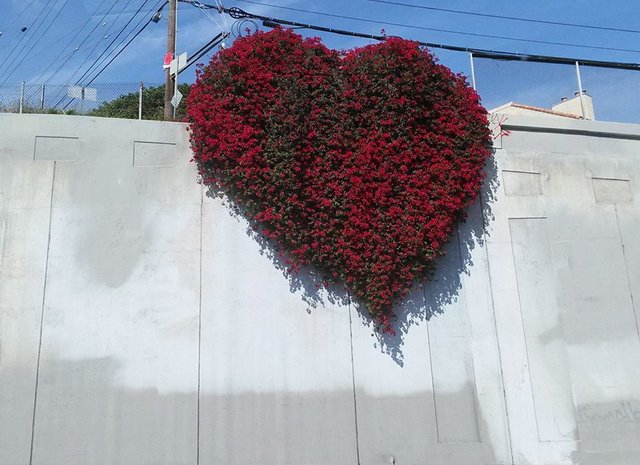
84	417
429	296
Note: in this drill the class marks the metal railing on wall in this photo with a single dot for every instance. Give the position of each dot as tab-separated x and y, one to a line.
605	93
602	91
123	100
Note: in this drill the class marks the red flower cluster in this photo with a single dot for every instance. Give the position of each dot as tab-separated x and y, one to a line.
360	165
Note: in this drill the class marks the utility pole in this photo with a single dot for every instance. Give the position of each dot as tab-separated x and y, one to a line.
171	48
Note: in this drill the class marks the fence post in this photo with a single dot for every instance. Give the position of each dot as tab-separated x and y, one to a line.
42	98
140	100
21	96
580	90
473	72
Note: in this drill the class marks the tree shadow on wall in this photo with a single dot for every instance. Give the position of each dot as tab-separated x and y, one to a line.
429	296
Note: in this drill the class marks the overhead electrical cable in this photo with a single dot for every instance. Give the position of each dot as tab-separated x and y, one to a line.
47	48
72	55
35	88
16	17
63	50
202	51
224	18
120	51
86	46
205	46
87	36
41	36
114	57
25	36
270	21
510	18
447	31
106	35
12	22
98	62
32	32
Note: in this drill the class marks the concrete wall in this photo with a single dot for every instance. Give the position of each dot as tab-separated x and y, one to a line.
142	323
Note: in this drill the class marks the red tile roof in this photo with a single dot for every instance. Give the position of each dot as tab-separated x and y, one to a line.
544	110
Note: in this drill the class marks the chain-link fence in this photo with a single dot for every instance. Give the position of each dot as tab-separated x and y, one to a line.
120	100
611	94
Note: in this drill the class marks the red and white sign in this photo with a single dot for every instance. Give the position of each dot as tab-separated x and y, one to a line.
168	58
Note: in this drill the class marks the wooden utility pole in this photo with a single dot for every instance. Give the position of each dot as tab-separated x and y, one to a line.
171	48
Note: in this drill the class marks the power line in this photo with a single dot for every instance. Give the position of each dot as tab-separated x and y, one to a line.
69	81
57	70
97	60
511	18
59	39
120	43
12	22
79	30
238	13
113	58
202	51
88	57
47	47
205	46
448	31
86	37
116	55
36	90
61	99
24	37
119	52
26	55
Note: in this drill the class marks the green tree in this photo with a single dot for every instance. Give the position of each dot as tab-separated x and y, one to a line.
126	106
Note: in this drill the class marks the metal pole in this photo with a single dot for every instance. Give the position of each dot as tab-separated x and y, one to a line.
42	98
171	48
175	78
473	72
140	101
580	90
21	96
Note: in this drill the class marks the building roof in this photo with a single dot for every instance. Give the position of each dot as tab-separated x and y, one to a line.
532	108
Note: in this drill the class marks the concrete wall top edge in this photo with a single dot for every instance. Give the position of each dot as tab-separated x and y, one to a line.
86	137
53	118
592	128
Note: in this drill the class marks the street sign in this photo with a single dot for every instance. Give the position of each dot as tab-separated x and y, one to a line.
83	93
90	93
175	101
178	63
74	92
168	57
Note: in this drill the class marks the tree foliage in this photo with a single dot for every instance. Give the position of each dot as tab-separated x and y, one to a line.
359	165
126	106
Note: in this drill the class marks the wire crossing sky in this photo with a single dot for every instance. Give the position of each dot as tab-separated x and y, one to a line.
71	41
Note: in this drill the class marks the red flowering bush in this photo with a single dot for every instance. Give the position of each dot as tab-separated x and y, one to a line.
359	165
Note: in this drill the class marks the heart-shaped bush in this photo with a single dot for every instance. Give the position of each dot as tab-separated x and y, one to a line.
359	164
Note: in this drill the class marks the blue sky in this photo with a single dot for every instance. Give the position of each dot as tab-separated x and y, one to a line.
60	51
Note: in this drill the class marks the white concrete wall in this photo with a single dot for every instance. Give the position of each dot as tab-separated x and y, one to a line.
141	323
